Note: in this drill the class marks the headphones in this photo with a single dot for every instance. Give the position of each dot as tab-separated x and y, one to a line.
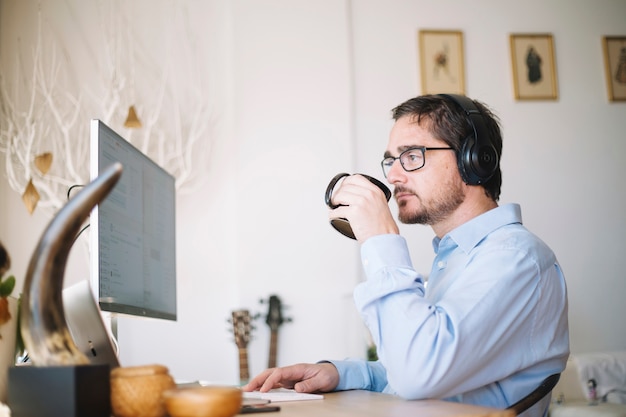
478	159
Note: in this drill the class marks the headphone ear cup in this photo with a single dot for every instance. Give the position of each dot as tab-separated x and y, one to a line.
476	163
486	162
464	161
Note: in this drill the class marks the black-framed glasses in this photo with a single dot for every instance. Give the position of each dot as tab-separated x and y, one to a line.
411	160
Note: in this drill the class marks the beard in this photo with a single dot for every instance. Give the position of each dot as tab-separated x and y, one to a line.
435	209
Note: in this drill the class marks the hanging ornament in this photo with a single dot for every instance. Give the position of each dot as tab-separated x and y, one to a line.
30	197
132	121
43	162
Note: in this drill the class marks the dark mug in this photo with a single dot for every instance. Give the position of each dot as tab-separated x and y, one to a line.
343	225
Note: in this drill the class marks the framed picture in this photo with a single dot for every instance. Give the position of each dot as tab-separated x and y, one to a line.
615	66
534	67
441	61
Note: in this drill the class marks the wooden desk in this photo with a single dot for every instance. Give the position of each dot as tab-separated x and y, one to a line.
366	403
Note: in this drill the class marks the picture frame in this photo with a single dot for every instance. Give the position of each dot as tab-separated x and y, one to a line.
441	61
534	66
614	48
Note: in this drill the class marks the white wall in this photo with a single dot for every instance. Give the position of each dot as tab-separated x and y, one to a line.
303	91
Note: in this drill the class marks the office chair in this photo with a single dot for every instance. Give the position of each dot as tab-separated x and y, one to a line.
531	399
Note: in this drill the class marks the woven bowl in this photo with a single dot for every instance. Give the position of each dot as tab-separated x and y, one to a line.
137	391
209	401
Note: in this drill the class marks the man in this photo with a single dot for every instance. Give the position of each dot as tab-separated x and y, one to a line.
492	322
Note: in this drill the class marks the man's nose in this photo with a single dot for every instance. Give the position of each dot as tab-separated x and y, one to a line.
396	172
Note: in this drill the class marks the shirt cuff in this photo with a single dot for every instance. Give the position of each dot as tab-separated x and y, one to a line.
360	374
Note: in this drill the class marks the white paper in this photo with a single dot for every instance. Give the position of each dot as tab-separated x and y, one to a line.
281	395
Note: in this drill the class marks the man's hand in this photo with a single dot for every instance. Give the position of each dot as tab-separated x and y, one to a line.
364	205
303	377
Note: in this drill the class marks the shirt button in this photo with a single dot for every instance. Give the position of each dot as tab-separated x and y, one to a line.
441	264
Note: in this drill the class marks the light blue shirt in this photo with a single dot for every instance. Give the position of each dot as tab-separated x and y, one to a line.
490	325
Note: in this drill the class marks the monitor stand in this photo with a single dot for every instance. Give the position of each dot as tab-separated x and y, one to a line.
114	329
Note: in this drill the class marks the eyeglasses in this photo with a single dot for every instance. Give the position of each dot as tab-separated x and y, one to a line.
411	160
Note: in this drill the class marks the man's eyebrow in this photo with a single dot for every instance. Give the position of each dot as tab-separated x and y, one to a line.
400	150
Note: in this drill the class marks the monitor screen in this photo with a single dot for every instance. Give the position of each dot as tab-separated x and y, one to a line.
132	231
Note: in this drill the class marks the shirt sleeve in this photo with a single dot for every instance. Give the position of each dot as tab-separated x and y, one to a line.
483	327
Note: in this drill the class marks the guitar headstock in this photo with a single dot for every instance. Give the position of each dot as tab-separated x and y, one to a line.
275	317
242	327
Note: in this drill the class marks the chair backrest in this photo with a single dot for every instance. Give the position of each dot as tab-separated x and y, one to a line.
531	399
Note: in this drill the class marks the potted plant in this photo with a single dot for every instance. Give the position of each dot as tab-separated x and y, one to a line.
6	287
8	322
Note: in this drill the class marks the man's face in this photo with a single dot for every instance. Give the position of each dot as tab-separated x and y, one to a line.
430	194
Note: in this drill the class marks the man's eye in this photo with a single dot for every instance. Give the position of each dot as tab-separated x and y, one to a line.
413	156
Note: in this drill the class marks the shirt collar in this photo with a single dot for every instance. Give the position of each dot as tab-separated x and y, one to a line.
469	234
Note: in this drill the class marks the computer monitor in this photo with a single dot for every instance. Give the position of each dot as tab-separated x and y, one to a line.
132	231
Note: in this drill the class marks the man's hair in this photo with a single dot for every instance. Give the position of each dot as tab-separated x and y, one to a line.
449	123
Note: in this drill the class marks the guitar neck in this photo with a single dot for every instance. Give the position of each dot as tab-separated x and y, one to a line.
244	374
273	349
274	320
241	329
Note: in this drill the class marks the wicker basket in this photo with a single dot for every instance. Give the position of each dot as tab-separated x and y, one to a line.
138	391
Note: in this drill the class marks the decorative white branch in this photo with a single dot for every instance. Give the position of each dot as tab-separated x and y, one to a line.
40	113
40	128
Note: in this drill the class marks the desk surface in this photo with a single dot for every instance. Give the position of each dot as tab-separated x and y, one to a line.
366	403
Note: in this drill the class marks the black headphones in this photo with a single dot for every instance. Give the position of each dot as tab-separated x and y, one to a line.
478	159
